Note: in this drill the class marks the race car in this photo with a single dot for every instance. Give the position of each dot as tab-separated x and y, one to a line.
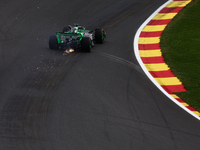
76	38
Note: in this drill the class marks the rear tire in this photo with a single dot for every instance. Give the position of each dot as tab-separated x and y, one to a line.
99	36
53	42
86	44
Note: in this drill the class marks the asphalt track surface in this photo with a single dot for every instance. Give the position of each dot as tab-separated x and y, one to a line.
89	101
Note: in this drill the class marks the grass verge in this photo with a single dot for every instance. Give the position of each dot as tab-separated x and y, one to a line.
180	45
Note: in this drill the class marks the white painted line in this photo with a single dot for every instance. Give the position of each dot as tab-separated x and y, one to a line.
136	50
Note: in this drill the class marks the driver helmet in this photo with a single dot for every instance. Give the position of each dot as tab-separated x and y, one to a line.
74	30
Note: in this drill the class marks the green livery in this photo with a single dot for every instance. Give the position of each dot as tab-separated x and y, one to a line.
77	38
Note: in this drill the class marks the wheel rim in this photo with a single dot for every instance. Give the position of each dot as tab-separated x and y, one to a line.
90	44
102	36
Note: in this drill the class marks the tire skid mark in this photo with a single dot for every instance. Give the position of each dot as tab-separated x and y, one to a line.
120	60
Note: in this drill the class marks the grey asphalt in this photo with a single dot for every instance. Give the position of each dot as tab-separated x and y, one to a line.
82	101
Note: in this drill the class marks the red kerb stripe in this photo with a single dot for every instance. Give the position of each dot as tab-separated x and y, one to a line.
179	100
162	74
159	22
151	34
173	88
153	60
171	10
190	108
179	0
149	46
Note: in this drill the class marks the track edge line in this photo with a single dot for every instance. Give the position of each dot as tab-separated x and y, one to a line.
136	51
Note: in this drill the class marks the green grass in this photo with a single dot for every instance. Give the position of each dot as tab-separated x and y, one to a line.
180	45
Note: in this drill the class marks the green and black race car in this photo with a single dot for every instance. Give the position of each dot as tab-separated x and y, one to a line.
76	38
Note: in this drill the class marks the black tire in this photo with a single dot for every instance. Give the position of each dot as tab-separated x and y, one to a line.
53	42
86	44
66	29
99	36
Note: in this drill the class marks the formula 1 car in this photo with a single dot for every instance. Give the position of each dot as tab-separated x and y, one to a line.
76	38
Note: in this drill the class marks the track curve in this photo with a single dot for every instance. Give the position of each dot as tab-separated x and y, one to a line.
101	100
147	61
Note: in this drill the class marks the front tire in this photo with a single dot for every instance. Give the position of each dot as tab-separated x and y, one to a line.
99	36
86	44
53	42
